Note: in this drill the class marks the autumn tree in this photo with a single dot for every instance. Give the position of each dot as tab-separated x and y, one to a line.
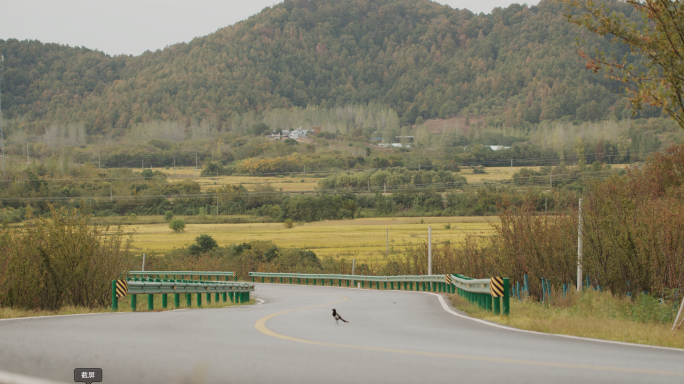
652	70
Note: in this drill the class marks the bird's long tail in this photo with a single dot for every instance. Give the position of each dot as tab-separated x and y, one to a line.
343	320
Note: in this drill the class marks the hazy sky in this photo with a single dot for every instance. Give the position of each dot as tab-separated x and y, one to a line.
134	26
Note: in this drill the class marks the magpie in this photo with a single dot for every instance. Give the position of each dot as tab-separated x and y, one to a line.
338	317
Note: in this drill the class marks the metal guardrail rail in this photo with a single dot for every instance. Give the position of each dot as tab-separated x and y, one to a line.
477	291
429	283
183	274
233	291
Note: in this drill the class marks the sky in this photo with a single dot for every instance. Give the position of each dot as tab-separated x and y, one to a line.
132	27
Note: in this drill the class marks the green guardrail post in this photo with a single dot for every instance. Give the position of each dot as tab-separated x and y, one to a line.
165	300
224	295
299	281
392	285
134	303
290	280
115	300
339	282
199	300
306	281
252	279
377	285
497	305
506	297
176	300
216	297
385	285
150	302
231	295
314	281
348	283
188	300
208	298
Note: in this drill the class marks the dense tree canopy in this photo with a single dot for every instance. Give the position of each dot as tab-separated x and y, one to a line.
425	60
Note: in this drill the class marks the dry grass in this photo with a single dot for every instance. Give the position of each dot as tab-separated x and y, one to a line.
124	306
598	317
365	238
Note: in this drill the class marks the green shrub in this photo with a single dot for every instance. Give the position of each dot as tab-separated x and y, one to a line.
203	244
168	215
178	225
288	223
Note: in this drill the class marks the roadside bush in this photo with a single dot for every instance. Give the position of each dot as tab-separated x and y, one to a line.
60	260
203	244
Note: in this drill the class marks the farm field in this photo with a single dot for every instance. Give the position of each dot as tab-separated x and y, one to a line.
286	183
365	239
298	183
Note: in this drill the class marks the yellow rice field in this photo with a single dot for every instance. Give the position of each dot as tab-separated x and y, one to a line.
365	239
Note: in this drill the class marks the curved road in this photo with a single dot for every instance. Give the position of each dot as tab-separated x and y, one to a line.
392	337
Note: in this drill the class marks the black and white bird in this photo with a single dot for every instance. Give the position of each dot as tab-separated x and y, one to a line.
338	317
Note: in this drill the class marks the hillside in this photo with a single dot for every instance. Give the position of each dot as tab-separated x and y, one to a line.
516	66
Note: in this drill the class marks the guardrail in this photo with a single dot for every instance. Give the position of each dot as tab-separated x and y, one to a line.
477	291
428	283
483	294
182	274
236	292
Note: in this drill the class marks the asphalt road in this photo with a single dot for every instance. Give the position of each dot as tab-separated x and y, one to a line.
392	337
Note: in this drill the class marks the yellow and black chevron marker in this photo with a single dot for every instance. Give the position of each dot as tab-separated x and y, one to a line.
121	288
496	287
447	278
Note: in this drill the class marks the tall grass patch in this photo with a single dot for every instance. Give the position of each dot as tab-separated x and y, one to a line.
60	260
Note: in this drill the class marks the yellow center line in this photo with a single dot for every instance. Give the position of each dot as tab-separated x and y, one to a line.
260	325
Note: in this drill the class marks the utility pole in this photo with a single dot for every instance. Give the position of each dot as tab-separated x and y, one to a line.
217	198
111	195
28	160
579	249
388	241
511	167
195	174
98	162
2	129
353	265
142	165
546	201
174	165
304	172
430	250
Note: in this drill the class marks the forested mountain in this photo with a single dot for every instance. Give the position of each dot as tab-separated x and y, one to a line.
516	65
